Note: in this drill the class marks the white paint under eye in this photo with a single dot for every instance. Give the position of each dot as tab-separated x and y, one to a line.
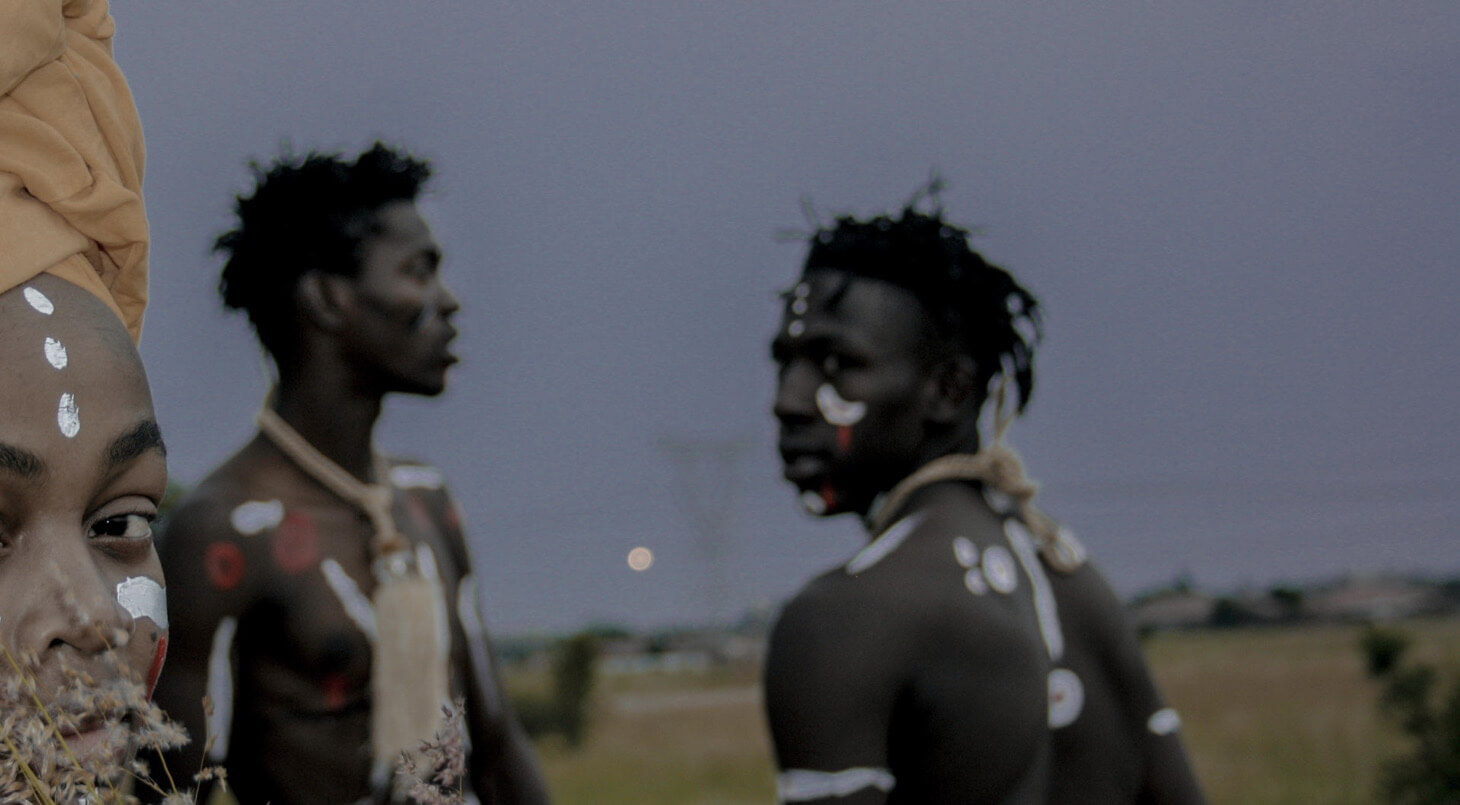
68	416
220	689
1066	697
39	301
55	353
965	551
256	516
1164	721
838	410
800	785
886	543
416	476
143	597
999	570
796	328
812	502
357	607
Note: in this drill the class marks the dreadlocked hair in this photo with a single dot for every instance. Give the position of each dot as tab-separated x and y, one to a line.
976	306
306	213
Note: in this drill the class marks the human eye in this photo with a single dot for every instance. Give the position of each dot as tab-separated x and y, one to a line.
125	533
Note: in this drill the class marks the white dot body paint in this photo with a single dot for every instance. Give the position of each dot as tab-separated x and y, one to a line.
796	328
68	416
812	503
256	516
39	301
1066	697
803	290
55	353
1164	721
799	307
143	597
973	580
965	552
999	570
837	410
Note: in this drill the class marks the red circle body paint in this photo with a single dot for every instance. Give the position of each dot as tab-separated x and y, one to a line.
224	565
828	496
296	544
335	687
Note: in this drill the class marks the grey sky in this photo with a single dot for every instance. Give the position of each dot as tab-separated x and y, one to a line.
1243	220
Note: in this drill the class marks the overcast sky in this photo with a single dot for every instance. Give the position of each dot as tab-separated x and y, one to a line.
1242	219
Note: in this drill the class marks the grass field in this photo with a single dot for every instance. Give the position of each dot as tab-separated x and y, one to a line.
1271	716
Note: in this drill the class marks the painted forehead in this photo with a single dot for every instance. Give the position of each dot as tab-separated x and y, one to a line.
866	302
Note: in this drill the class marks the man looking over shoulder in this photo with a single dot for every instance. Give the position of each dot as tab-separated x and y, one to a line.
968	653
325	602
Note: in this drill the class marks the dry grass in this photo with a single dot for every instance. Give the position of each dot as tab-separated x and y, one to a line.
1271	716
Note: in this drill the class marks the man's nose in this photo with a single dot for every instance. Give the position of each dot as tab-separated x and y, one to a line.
795	393
76	607
447	302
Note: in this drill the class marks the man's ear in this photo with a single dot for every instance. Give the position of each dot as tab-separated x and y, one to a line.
952	386
324	299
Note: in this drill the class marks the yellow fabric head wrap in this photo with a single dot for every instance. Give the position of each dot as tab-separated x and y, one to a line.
71	156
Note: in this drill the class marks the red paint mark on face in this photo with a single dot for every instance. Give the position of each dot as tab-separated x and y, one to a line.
224	565
335	688
844	438
296	544
156	670
828	496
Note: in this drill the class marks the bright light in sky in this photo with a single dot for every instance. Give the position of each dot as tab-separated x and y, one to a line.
641	558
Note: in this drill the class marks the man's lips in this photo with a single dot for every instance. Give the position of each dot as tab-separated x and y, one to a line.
804	467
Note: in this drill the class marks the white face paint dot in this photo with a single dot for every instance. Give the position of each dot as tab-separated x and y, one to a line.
837	410
973	580
799	307
1164	721
39	301
812	503
965	551
803	290
1066	697
999	570
256	515
796	328
55	353
68	416
641	559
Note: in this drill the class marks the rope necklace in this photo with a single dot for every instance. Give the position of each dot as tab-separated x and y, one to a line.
999	467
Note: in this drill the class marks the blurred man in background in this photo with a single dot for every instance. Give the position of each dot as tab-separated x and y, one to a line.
968	653
326	604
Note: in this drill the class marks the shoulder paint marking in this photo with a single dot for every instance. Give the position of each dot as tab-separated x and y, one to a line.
416	476
55	353
1066	697
1045	606
256	515
39	301
476	638
143	597
879	548
68	416
998	569
965	552
799	785
1164	721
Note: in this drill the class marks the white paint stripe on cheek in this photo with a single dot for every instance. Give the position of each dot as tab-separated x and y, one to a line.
143	598
68	416
55	353
39	301
836	410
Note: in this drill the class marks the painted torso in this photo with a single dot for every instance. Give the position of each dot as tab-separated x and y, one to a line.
284	567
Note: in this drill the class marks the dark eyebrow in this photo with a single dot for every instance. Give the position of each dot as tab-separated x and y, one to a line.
145	436
21	463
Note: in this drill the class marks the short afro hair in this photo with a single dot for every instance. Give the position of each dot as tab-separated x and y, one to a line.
307	213
975	306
